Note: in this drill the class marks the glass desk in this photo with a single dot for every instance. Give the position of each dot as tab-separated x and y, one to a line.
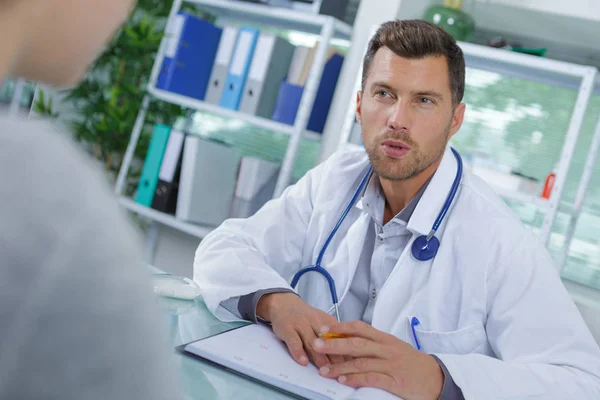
189	321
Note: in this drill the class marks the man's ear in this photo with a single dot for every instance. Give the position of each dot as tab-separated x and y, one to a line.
457	118
358	101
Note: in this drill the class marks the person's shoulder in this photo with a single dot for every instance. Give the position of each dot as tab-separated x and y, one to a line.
45	162
482	207
481	198
490	225
48	181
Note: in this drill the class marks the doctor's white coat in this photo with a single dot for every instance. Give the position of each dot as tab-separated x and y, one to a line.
491	303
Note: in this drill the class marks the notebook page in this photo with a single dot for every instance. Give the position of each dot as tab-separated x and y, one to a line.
255	351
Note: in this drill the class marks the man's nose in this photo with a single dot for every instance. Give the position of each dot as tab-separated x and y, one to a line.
400	117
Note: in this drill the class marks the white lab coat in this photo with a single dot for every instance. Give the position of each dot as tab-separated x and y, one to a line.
491	303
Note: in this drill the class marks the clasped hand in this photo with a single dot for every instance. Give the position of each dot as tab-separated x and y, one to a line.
367	358
379	360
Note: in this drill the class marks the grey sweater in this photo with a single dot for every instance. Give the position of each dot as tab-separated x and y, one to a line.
77	317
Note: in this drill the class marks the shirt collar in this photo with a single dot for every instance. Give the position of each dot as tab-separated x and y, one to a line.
373	201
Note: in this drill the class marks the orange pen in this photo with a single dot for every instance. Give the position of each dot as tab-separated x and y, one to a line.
333	336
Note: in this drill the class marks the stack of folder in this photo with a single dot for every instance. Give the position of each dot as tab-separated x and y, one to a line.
202	181
241	68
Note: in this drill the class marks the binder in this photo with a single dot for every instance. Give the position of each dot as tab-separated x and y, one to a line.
255	186
270	64
219	71
152	163
288	101
308	61
238	69
301	54
189	57
165	196
324	96
207	183
290	95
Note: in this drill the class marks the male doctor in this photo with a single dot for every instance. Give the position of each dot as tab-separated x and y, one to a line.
494	320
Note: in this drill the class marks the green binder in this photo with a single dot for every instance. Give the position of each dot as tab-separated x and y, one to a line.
154	156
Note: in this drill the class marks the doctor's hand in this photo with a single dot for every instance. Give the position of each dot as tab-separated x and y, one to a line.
380	361
297	324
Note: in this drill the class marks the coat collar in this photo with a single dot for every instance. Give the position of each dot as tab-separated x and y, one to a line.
435	195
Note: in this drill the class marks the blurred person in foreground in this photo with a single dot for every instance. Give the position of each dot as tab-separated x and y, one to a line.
78	317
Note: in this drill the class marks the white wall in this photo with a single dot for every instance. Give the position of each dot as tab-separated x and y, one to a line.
586	9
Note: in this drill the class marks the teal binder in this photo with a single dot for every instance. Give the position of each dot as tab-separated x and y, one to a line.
154	156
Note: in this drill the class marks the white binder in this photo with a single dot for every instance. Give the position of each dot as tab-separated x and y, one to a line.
207	182
255	186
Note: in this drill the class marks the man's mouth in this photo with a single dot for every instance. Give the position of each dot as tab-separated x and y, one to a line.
395	148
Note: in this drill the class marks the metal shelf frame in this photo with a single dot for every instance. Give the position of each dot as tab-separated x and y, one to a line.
198	231
584	184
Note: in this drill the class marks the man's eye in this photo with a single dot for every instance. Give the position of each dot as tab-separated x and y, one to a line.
382	93
425	100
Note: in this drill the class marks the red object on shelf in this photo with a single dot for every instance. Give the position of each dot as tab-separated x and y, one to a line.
548	185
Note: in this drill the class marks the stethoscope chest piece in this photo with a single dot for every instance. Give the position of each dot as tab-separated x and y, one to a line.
425	250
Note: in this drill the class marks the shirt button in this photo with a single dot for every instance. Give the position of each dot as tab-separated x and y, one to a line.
374	293
380	238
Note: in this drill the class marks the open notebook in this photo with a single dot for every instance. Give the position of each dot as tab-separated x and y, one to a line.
255	351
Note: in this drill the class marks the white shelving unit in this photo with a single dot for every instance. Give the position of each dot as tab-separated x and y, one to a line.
325	27
539	69
584	184
194	104
198	231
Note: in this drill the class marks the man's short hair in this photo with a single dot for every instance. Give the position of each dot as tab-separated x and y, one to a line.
419	39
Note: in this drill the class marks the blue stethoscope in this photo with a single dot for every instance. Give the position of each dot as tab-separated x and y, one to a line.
424	248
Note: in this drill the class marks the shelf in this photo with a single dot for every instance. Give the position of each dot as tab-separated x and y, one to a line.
198	231
264	123
260	14
521	197
525	66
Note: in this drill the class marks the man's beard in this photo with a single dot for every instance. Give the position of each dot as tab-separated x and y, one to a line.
409	166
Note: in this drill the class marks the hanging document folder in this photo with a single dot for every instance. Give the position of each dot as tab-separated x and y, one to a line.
165	196
189	57
238	70
218	75
269	68
152	163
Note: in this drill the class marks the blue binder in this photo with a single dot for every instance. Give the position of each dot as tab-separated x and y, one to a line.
238	68
290	95
324	96
189	56
288	101
152	163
